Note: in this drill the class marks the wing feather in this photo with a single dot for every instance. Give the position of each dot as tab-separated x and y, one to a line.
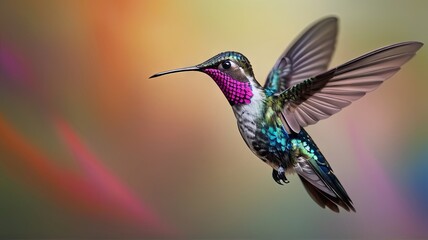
308	56
326	94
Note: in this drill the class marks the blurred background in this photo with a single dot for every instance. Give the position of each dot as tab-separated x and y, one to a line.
91	148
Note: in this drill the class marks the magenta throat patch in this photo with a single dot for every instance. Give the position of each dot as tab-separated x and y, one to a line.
235	91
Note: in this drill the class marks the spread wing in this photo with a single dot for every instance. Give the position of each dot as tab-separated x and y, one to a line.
326	94
308	56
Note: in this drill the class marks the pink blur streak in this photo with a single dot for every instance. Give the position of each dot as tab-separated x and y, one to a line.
395	210
107	183
91	192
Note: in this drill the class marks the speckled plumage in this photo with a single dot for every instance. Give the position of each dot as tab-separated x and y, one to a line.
235	91
299	92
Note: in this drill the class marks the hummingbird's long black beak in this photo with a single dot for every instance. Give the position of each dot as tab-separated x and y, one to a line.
194	68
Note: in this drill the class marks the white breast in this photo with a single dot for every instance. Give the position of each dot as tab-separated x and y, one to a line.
247	116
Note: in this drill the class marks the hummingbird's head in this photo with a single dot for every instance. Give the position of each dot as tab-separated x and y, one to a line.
231	71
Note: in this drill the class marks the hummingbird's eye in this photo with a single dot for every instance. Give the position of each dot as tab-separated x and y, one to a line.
226	64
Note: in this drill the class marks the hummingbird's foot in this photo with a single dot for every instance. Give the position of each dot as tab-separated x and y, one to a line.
279	176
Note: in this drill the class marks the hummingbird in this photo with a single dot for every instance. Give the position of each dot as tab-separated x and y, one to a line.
300	91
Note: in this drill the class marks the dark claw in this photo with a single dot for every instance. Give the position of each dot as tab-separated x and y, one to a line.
279	176
275	177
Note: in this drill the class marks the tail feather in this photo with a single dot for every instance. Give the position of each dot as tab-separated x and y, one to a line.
317	176
325	200
318	196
